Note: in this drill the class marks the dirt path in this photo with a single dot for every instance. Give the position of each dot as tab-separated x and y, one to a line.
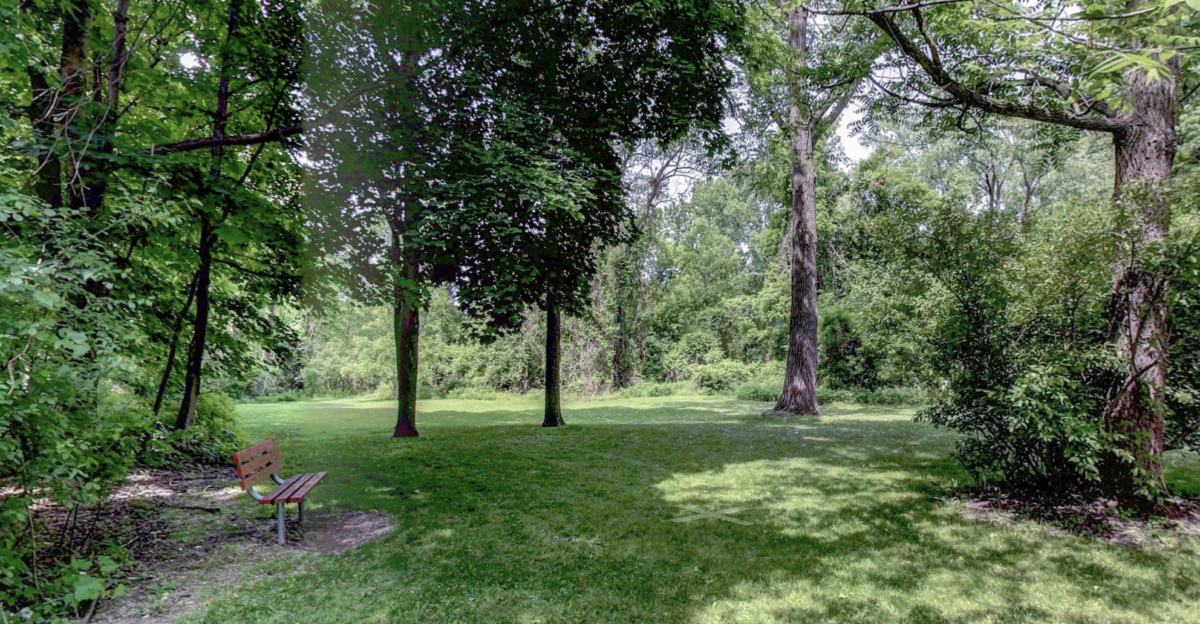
189	531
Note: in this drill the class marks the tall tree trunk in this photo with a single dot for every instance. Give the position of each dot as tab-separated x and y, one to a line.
208	238
622	349
195	359
1138	323
48	179
800	377
553	417
73	70
97	167
406	322
170	365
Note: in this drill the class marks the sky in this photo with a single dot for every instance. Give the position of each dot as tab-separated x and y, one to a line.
855	150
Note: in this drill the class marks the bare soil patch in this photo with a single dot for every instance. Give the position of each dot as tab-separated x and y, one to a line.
193	528
1174	524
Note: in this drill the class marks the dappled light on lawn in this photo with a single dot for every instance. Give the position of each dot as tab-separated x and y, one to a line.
500	520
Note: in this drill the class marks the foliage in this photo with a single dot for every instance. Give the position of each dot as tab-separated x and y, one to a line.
846	360
1020	344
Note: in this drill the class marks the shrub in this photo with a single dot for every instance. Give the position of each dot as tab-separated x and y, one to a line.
899	396
476	393
758	391
847	358
289	396
214	436
723	376
655	389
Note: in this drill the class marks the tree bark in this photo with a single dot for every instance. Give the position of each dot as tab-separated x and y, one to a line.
406	322
195	360
73	71
553	416
1138	314
47	183
48	180
170	365
96	164
800	377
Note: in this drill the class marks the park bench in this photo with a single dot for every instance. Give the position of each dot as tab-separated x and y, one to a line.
261	461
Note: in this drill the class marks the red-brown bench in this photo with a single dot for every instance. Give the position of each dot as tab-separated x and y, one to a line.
261	461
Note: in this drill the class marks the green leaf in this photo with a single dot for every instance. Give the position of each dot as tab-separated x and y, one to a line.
87	587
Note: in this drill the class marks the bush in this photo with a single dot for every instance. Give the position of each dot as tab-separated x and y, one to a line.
723	376
847	359
476	393
879	396
655	389
899	396
214	436
758	391
289	396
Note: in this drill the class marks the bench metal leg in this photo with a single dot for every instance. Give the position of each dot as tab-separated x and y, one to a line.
281	520
301	506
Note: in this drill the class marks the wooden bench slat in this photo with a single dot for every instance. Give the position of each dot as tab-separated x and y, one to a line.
263	460
283	487
275	466
286	495
244	455
302	492
281	494
255	465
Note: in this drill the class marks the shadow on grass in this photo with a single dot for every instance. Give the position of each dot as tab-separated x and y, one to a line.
514	523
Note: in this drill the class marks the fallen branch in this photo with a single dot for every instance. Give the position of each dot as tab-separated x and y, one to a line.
194	507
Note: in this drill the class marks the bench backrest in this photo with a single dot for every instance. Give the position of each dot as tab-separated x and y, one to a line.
257	463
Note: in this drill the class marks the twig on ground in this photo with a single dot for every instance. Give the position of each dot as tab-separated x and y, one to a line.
193	507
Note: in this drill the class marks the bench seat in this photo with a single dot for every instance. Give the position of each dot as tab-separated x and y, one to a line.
262	461
294	490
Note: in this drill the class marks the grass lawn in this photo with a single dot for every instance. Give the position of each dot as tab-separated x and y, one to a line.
499	520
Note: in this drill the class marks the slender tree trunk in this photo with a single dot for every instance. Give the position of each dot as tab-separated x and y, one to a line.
622	350
195	360
800	377
1138	314
208	238
406	331
48	181
96	168
553	417
73	70
170	365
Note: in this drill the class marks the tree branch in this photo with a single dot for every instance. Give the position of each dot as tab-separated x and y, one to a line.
269	136
912	6
984	102
263	274
828	118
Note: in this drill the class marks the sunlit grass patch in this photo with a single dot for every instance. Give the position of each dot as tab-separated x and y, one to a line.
499	520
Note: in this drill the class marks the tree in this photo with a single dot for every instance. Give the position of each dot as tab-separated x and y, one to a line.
91	142
272	61
648	172
820	80
1098	67
506	129
563	82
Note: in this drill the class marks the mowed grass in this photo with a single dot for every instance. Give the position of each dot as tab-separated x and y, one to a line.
500	520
